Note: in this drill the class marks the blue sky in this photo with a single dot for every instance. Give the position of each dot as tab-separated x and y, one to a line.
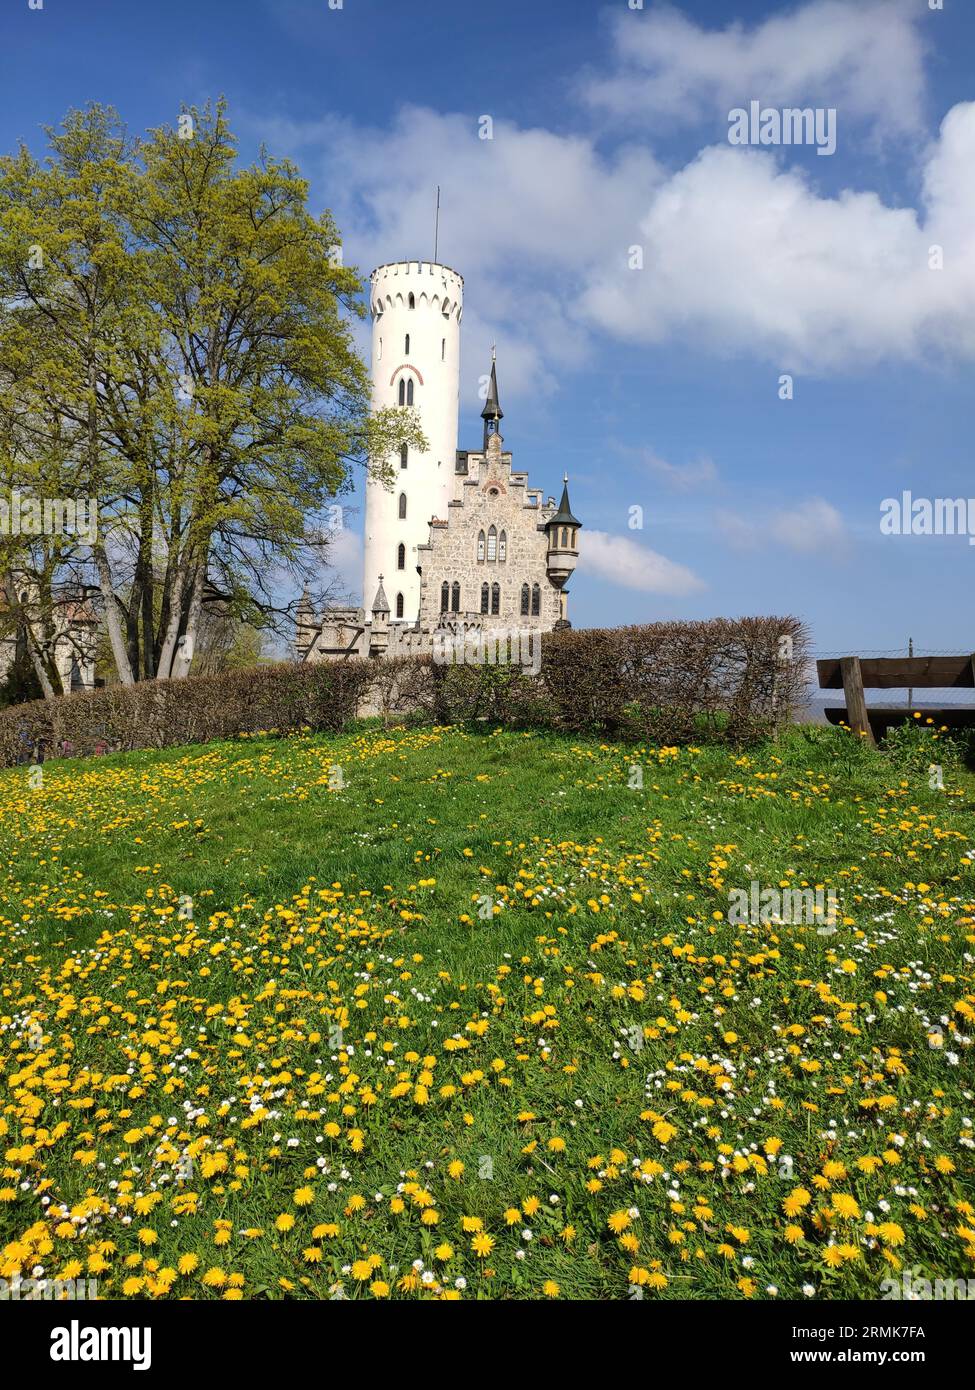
658	387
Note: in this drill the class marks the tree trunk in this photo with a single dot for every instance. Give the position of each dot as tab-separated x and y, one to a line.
115	634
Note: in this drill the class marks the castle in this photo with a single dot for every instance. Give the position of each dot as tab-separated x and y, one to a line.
461	543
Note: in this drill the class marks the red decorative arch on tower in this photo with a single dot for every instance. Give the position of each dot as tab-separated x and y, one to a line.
407	367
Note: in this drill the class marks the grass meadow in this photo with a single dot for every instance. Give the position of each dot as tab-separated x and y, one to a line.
436	1013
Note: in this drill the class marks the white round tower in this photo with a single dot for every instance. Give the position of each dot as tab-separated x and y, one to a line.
416	309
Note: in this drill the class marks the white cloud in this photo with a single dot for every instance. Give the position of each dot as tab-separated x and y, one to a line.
345	561
865	59
744	256
526	218
743	253
632	566
812	527
681	477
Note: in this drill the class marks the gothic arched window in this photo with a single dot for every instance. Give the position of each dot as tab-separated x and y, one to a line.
444	596
492	550
412	301
503	546
524	600
399	605
495	599
407	347
480	545
402	506
402	390
409	392
565	537
404	455
485	595
455	597
401	557
536	601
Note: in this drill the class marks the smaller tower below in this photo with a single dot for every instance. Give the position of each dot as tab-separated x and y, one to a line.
563	549
379	637
492	414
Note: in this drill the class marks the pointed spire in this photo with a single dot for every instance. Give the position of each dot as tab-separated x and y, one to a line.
380	603
492	413
564	517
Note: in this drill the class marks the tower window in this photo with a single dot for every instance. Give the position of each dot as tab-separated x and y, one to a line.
492	549
503	546
524	600
480	545
379	356
565	537
409	392
402	506
402	390
455	597
407	347
495	599
399	605
536	601
401	557
485	595
412	301
443	349
404	454
444	596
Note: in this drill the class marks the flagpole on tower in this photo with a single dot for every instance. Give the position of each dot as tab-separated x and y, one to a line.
436	234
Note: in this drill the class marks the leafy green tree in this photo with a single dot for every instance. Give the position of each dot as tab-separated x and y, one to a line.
177	338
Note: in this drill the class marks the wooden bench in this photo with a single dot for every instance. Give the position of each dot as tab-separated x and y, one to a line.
851	675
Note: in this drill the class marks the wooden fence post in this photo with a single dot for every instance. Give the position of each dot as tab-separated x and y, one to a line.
856	705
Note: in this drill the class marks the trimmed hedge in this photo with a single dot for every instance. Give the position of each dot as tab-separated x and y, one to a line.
671	683
732	680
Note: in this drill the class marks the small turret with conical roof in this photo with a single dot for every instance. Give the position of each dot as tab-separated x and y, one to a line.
563	548
492	414
379	634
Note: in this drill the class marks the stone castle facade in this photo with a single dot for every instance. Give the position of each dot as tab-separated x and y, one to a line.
459	544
